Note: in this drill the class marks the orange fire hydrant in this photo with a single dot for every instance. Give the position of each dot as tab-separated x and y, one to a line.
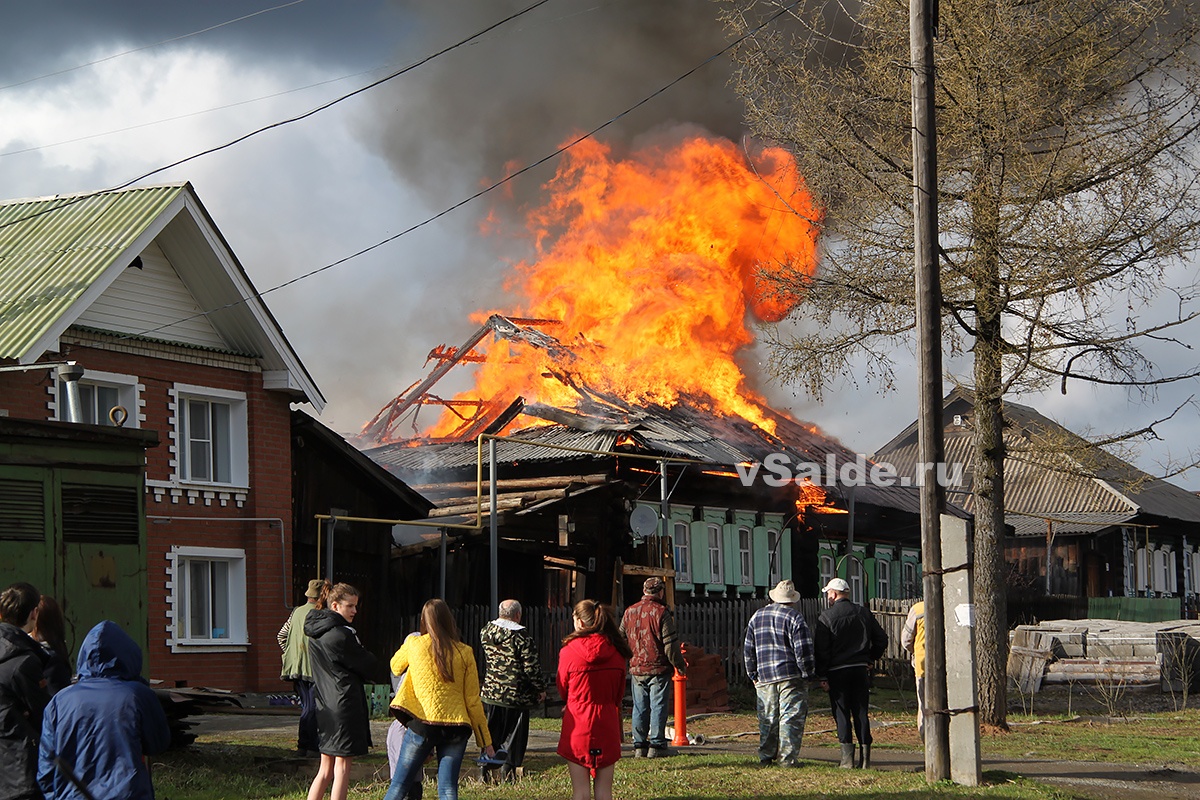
681	737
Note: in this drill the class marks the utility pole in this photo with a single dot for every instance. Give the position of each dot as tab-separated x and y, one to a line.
931	447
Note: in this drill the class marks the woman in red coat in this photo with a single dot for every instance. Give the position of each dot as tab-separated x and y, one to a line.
591	681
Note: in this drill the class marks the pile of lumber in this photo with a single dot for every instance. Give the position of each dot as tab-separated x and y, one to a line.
181	704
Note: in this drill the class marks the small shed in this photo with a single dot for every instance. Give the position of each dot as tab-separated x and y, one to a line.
72	520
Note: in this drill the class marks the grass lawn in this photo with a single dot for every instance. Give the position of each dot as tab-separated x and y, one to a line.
238	765
211	770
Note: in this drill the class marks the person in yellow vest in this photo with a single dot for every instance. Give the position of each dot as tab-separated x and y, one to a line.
298	670
913	639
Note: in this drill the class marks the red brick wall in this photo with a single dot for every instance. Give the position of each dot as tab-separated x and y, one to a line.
268	564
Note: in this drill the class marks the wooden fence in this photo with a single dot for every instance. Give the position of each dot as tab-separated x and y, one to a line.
715	626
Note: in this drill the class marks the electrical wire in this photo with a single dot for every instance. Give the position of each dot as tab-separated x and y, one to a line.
444	212
280	123
486	190
149	46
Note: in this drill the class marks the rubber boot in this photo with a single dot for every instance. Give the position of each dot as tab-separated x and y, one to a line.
847	756
864	757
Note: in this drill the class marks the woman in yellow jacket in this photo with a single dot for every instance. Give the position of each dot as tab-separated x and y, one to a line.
438	702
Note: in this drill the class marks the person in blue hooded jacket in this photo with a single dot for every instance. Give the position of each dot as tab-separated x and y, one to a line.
103	725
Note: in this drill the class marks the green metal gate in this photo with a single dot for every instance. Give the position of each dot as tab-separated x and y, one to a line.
73	521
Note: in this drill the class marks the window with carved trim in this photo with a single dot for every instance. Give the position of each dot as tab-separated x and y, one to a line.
208	595
681	535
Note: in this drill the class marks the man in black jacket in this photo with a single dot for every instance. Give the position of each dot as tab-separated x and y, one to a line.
848	639
23	695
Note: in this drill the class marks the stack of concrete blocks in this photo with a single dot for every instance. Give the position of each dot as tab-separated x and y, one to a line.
1105	651
707	687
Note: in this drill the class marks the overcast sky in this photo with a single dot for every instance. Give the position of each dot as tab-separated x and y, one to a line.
95	94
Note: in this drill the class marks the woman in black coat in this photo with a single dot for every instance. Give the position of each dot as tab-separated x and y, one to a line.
340	665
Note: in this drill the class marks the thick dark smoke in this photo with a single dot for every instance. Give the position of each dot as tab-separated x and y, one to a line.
468	118
531	84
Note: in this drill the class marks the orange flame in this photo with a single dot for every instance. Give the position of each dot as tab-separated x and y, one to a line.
651	263
809	494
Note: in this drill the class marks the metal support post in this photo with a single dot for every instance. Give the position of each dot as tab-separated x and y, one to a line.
493	529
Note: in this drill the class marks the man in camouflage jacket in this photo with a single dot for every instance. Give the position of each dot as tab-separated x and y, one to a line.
513	684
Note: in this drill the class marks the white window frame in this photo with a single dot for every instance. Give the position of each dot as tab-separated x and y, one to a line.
775	557
910	579
128	394
857	579
1195	556
745	544
239	444
180	560
828	567
1160	580
716	554
681	533
883	577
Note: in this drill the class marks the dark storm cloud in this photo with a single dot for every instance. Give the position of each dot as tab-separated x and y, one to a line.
43	37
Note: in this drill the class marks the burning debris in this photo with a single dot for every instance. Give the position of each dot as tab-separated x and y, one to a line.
646	273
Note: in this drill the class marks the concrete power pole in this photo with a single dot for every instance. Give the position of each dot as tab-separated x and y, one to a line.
931	446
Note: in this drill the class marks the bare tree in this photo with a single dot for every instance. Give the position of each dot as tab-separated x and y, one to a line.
1067	160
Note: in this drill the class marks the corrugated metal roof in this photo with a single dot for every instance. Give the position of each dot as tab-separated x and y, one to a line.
59	254
1041	485
52	250
684	431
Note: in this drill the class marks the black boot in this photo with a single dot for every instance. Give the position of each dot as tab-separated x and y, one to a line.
847	756
864	756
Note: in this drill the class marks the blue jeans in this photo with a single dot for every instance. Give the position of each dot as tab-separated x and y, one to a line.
650	710
782	712
414	751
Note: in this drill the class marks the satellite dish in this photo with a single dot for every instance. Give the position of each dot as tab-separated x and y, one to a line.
643	521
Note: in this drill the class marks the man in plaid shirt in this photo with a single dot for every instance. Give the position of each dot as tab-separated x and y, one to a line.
779	659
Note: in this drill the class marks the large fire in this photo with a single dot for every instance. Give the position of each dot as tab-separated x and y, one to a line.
651	265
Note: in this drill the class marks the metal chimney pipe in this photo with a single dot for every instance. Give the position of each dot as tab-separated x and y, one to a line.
69	374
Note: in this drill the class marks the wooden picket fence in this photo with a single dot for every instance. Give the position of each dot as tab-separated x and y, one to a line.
715	626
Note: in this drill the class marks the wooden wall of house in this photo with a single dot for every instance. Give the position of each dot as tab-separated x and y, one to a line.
324	483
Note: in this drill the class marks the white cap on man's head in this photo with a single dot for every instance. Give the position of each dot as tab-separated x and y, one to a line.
836	585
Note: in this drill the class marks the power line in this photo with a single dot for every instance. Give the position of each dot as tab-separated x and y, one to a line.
186	116
283	122
149	46
581	138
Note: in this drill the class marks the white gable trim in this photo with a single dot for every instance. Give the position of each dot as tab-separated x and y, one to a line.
268	328
49	341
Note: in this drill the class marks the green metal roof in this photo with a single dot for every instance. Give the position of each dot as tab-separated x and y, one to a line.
53	249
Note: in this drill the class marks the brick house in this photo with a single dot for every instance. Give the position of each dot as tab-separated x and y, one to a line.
139	288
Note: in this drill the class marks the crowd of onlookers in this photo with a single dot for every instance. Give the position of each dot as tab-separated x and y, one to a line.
89	737
61	739
439	704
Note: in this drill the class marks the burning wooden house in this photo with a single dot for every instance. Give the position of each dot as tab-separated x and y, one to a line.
592	498
632	439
